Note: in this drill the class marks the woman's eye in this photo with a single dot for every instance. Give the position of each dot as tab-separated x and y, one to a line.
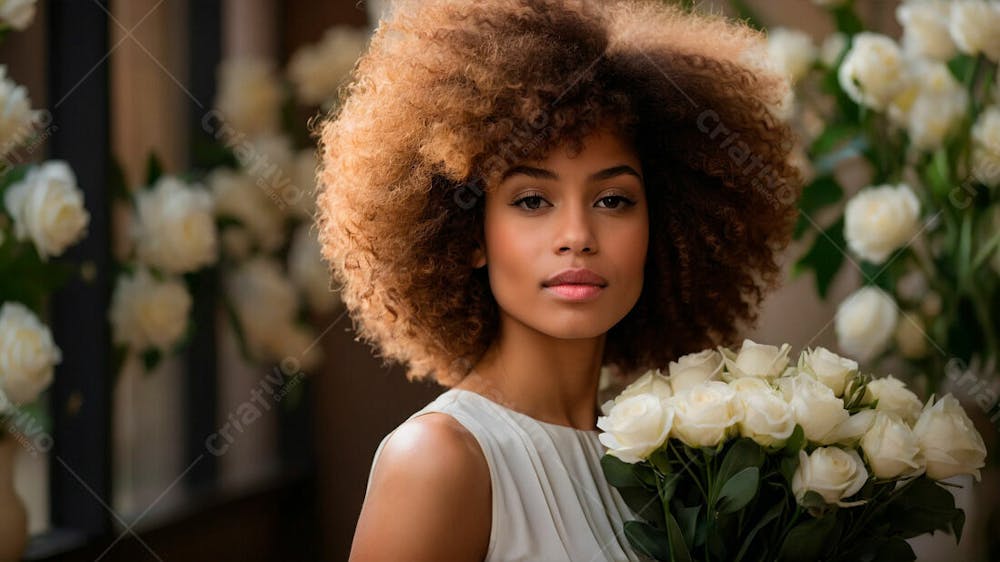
532	200
616	198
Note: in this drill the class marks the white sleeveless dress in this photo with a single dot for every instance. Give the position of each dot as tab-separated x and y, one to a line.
551	501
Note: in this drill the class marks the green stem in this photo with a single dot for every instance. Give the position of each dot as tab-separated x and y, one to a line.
685	463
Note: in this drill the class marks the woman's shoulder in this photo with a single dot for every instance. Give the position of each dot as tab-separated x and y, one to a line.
432	474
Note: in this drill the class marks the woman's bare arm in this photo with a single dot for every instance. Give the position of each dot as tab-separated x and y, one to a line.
430	497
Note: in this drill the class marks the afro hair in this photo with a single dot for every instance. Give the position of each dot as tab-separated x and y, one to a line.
450	93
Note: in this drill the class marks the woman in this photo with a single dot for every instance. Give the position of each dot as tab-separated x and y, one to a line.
515	193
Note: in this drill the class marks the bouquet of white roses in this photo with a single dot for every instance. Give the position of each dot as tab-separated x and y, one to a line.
744	456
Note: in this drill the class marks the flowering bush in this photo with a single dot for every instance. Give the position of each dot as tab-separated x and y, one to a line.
742	455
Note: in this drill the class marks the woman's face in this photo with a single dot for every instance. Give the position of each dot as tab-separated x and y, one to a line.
587	211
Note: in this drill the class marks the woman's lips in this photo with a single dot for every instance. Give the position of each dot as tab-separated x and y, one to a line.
575	292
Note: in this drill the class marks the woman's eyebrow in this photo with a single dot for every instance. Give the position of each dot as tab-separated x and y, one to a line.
542	173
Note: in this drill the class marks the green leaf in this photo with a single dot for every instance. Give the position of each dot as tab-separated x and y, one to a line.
771	515
738	491
847	21
825	257
808	540
823	191
619	473
895	549
150	359
644	503
668	487
795	442
832	137
961	67
742	454
747	14
678	548
648	539
154	169
9	177
687	519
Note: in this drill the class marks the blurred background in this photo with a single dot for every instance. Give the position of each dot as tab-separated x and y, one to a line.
184	384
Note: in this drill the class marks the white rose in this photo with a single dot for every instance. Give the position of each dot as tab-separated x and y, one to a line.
265	303
309	272
27	354
816	408
873	70
894	398
706	415
17	13
249	95
829	368
865	322
755	360
636	426
235	195
925	29
986	146
766	417
949	441
175	229
792	51
891	448
269	162
147	313
912	286
880	219
17	119
832	472
911	339
694	369
47	208
651	382
831	48
973	26
317	70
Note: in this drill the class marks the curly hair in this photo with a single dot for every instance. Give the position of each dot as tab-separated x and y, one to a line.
449	93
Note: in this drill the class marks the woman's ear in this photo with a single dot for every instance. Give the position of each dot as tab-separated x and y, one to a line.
478	257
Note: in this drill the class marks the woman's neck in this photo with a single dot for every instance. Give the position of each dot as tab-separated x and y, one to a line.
550	379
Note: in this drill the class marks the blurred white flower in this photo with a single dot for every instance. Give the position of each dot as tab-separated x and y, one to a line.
175	228
873	70
317	70
47	208
925	29
265	303
148	313
833	44
236	196
17	119
296	347
268	160
249	95
18	14
309	272
792	51
931	106
27	354
865	322
880	219
973	26
986	146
